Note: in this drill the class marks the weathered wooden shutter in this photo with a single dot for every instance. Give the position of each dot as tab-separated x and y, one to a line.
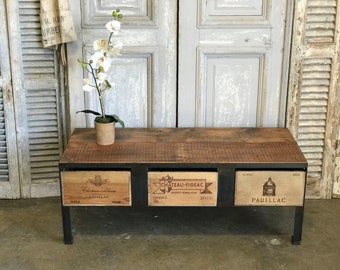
9	176
40	107
312	99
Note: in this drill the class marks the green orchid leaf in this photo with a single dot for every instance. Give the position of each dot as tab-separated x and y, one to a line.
89	111
117	119
108	117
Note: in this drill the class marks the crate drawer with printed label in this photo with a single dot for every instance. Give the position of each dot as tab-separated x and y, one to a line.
182	188
96	188
269	188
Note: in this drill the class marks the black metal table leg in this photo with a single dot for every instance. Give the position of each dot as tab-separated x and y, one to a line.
296	238
67	230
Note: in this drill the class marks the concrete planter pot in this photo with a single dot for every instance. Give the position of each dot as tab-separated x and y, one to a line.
105	133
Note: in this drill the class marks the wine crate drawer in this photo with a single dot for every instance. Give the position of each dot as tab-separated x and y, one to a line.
269	188
96	188
182	188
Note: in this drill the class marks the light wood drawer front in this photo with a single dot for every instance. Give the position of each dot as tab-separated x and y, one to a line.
168	188
96	188
269	188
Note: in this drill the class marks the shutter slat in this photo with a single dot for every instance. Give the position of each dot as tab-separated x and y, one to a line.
45	153
317	89
313	116
315	109
316	74
317	103
320	3
314	96
315	81
36	159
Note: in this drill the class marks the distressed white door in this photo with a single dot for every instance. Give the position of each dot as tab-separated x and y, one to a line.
232	59
144	77
232	62
9	176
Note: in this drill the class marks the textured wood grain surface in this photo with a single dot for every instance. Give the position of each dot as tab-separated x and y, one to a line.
186	145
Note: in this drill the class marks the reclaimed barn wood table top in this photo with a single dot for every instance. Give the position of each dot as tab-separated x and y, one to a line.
185	145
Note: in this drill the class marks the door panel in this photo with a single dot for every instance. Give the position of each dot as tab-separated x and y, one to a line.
237	73
144	77
230	63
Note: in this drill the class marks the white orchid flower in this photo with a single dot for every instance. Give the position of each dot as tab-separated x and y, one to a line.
100	45
101	77
99	60
86	85
106	64
115	49
95	58
113	26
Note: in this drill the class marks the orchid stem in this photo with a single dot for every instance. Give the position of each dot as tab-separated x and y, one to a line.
100	94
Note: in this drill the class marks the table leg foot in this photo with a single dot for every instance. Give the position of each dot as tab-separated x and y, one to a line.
296	241
67	230
298	221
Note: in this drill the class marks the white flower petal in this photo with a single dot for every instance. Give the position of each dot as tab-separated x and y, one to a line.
87	88
86	81
115	49
101	77
99	45
106	64
96	59
113	26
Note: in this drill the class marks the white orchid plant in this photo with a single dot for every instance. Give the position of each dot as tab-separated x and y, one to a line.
98	65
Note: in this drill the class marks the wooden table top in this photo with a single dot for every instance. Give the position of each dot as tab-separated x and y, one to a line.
186	145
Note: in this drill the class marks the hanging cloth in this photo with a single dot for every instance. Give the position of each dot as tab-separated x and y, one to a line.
56	22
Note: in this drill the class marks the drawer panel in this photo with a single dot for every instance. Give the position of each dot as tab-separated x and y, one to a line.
269	188
96	188
168	188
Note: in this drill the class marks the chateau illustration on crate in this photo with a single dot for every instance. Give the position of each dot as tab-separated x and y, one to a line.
270	188
182	188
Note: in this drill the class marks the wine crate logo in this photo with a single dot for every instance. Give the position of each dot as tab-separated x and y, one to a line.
269	188
98	181
269	194
168	184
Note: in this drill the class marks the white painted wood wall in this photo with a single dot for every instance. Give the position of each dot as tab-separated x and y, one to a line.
35	124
